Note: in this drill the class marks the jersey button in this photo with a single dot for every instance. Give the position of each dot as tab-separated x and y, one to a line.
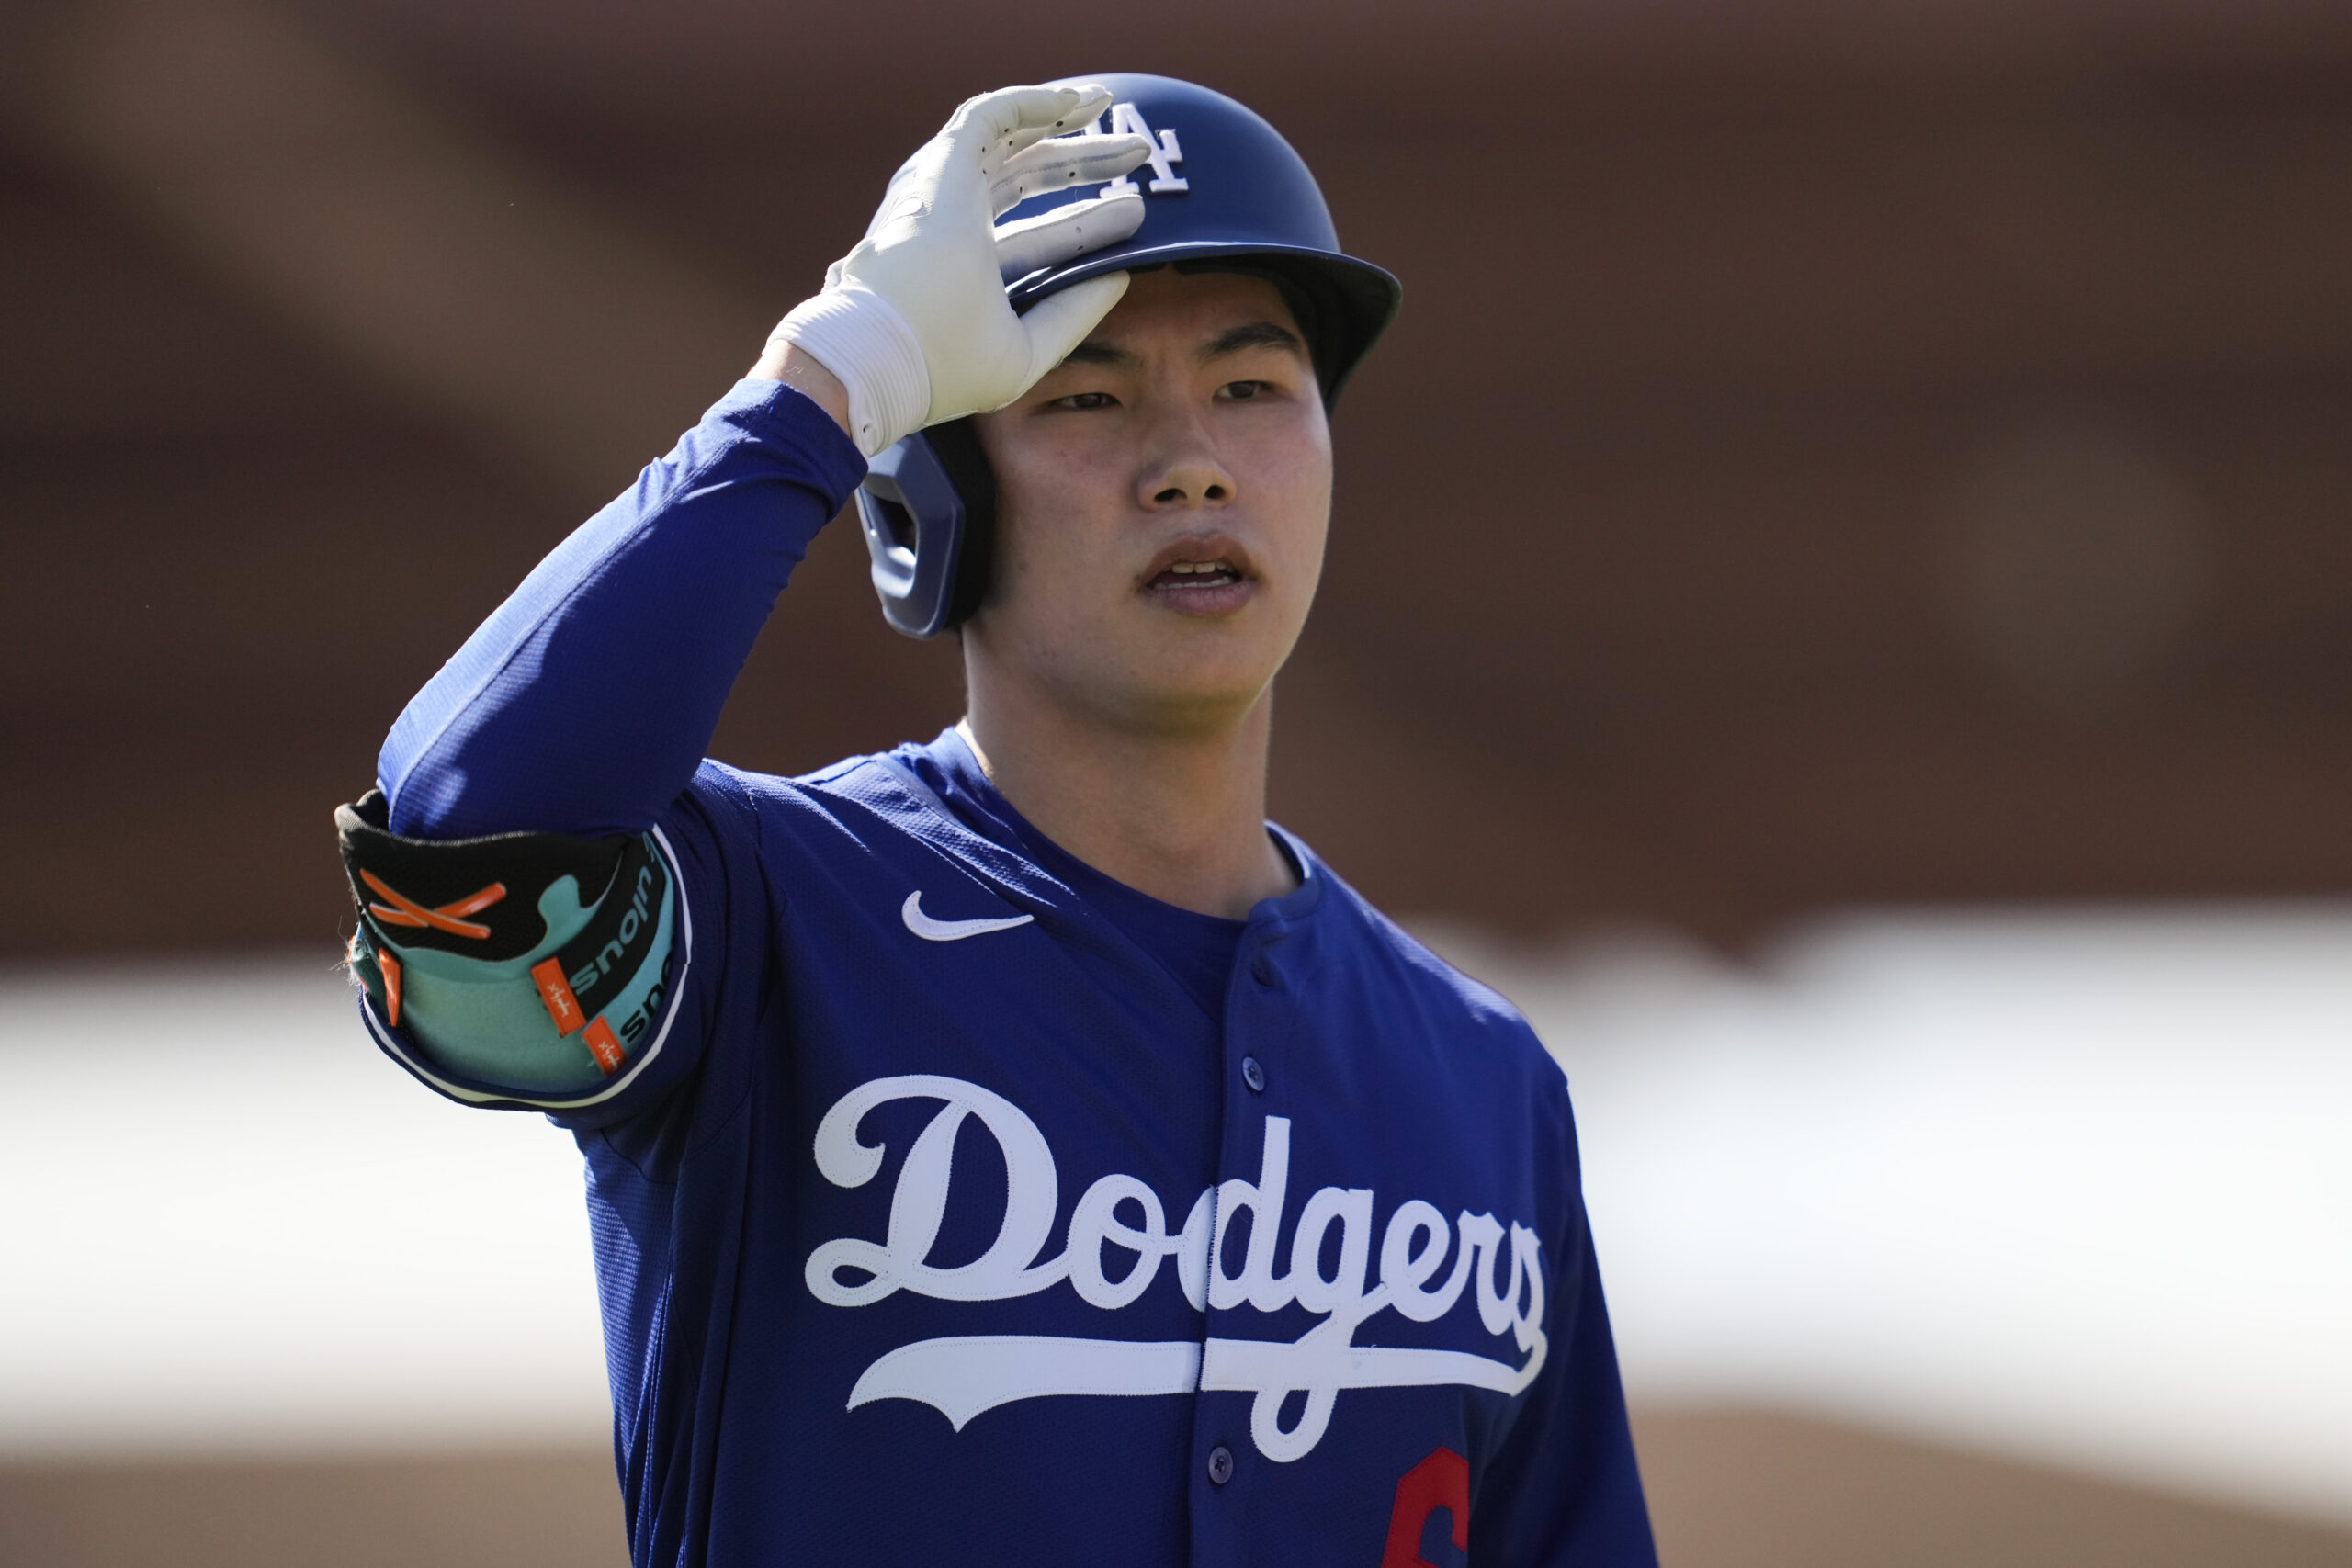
1261	969
1254	1075
1220	1465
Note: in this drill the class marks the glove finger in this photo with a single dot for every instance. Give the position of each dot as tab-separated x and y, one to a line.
1061	163
1067	232
997	125
1092	99
1060	322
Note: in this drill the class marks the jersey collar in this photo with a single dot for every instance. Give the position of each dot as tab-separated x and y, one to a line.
943	779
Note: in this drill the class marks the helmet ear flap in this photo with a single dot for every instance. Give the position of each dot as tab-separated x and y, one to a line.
967	463
927	509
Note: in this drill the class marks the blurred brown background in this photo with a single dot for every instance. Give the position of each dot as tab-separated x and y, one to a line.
1832	453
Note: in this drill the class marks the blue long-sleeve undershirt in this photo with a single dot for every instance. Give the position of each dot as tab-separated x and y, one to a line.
585	701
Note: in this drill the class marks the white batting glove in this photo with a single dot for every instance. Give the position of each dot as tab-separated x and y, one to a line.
914	322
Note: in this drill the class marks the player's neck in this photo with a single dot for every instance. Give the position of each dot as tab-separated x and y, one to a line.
1181	816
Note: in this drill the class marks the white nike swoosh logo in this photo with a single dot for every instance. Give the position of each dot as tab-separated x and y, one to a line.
923	926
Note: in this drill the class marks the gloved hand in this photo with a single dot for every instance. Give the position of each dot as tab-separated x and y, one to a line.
914	322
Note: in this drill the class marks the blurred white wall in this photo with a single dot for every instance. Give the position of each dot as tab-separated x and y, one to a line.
2076	1188
230	1223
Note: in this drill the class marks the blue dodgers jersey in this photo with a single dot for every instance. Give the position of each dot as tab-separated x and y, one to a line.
938	1223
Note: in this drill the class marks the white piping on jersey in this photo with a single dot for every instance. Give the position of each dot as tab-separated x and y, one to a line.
964	1375
392	1042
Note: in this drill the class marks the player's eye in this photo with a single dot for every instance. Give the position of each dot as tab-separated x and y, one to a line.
1242	392
1087	400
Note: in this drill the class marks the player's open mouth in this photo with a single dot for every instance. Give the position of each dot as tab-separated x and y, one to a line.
1200	577
1191	576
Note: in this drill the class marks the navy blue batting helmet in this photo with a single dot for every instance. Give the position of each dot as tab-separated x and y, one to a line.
1222	191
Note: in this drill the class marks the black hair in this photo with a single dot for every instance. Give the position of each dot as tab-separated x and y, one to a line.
1300	288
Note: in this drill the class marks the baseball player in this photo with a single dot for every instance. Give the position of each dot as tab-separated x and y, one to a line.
1010	1147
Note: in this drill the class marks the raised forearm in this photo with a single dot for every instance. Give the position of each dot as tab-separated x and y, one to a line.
585	701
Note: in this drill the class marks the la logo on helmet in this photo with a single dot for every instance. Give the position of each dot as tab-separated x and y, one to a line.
1165	151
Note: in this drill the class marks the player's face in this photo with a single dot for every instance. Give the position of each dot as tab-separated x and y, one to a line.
1162	499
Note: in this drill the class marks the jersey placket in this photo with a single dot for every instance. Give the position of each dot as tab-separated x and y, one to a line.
1229	1475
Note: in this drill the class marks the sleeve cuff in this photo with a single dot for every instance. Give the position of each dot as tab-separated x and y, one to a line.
783	415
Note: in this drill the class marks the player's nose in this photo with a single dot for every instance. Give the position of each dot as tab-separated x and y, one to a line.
1188	476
